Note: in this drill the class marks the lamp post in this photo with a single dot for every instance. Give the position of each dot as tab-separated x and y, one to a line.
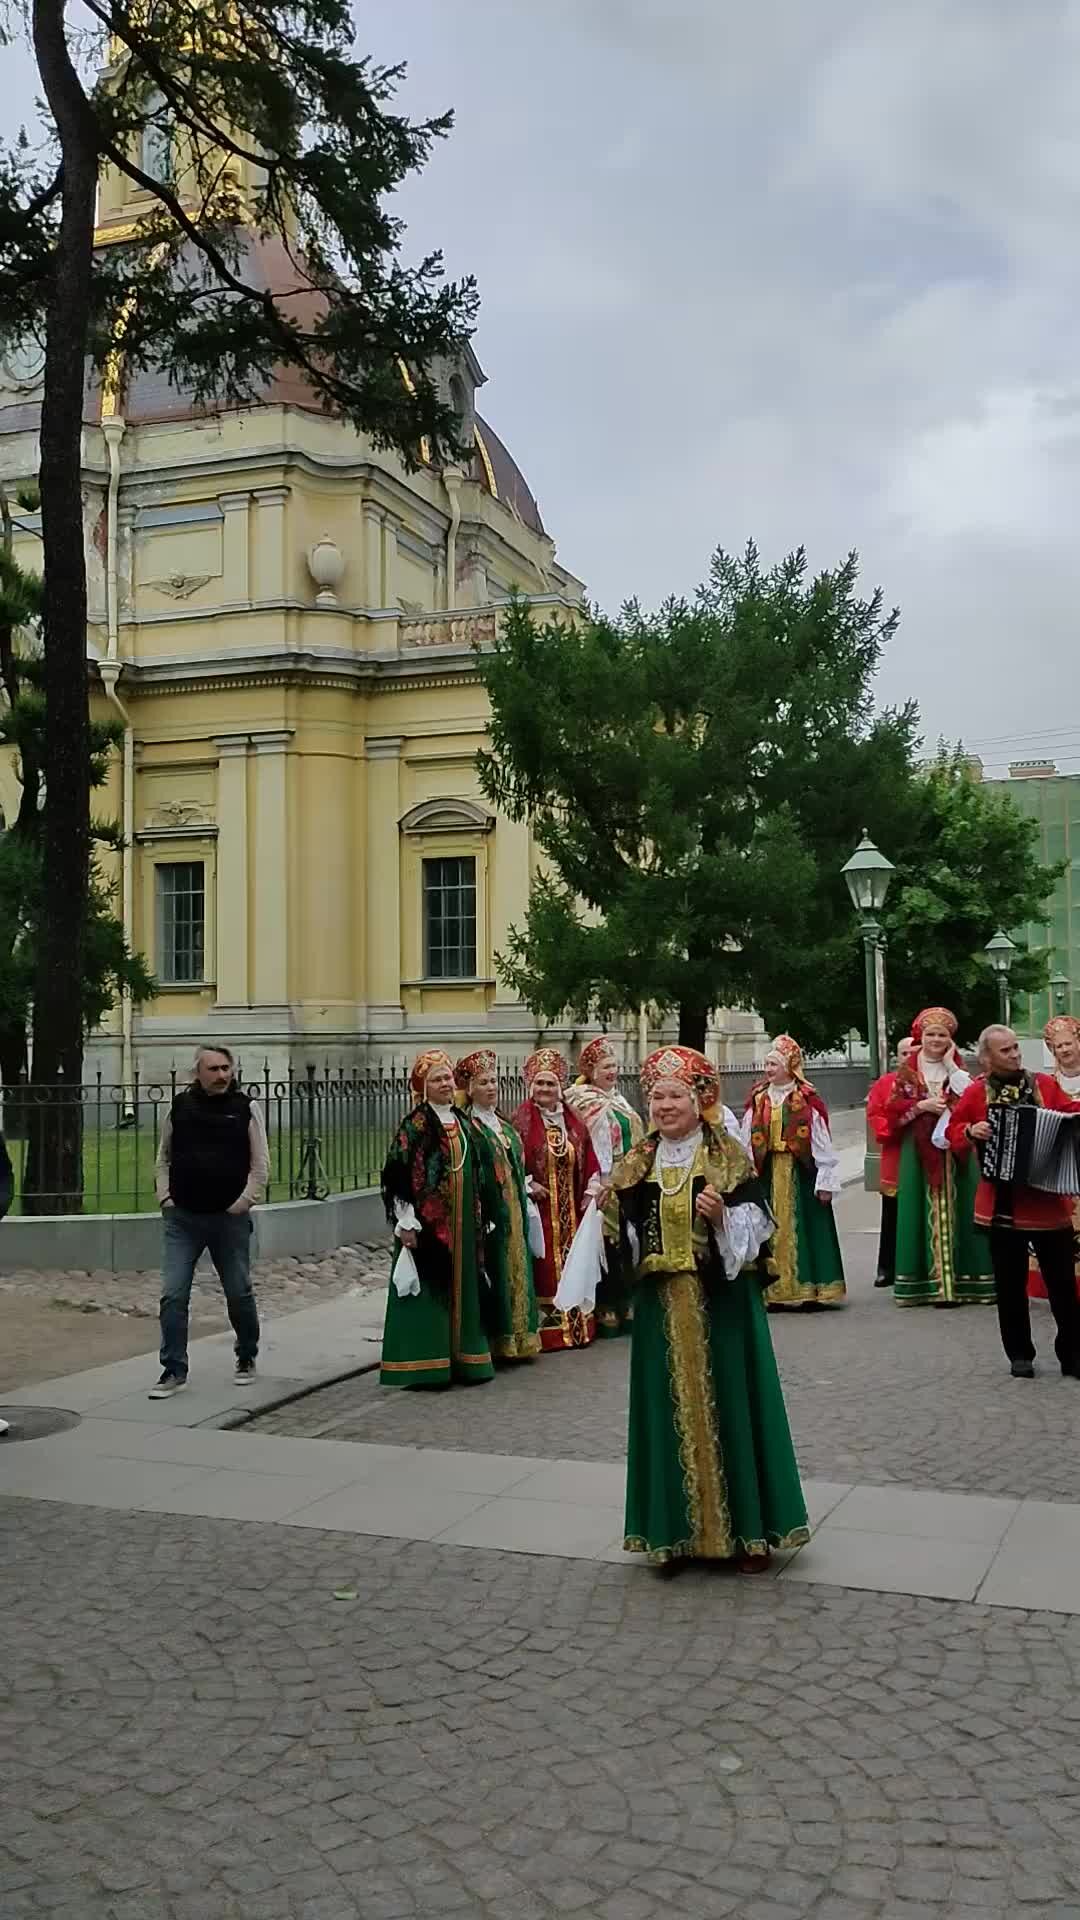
868	874
1001	952
1059	991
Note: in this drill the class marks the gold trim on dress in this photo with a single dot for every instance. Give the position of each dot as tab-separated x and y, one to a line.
521	1344
690	1373
784	1251
415	1366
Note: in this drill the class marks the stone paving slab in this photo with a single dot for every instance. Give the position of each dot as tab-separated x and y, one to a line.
876	1396
194	1726
950	1547
297	1352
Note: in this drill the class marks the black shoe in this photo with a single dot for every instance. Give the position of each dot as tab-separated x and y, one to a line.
169	1384
1070	1373
884	1280
1023	1370
244	1373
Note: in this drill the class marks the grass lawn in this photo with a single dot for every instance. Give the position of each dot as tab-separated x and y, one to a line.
118	1165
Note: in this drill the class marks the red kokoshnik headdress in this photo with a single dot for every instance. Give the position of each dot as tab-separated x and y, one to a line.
790	1052
472	1064
546	1060
424	1066
687	1066
1060	1027
933	1017
591	1056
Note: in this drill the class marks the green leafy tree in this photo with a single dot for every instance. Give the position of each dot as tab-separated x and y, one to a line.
110	968
267	243
968	863
695	780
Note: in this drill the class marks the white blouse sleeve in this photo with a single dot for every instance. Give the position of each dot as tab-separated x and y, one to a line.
731	1124
939	1137
740	1236
744	1128
826	1158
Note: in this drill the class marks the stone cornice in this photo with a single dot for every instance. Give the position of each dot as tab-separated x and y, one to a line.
308	667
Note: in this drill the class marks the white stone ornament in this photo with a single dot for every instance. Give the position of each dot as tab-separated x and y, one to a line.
326	565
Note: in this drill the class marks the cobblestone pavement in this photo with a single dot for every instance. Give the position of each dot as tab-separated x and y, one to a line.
921	1399
193	1727
53	1323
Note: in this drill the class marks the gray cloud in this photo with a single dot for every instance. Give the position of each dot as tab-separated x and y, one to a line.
801	272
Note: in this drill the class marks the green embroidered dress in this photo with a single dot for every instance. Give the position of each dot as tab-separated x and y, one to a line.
513	1317
438	1167
711	1471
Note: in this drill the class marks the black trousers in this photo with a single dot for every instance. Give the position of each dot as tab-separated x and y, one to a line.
1054	1253
886	1252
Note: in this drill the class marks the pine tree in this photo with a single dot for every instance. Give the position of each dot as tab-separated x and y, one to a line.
270	132
110	968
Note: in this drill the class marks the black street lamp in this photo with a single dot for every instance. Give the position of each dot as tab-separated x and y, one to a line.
1001	952
868	875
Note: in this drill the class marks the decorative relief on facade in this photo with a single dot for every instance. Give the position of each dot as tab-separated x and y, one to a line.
457	630
180	586
179	813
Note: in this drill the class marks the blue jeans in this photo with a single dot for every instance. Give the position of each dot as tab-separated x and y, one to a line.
226	1237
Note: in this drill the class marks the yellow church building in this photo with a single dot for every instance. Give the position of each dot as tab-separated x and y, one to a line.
286	623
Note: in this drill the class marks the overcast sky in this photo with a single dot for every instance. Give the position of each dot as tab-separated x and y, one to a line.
806	272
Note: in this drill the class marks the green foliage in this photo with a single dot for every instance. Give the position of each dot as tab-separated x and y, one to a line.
969	864
110	967
300	268
696	779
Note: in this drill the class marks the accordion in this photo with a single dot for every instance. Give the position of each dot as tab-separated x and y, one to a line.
1033	1147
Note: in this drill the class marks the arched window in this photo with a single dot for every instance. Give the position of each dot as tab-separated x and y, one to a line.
156	142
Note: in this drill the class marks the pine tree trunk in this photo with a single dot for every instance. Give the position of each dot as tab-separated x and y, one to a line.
53	1181
693	1024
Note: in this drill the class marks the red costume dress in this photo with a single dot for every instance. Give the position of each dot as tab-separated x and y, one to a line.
559	1162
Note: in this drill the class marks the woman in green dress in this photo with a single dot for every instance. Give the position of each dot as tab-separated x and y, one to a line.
786	1132
614	1128
942	1257
438	1192
711	1471
512	1313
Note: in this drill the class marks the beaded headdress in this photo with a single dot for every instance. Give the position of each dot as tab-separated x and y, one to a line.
546	1060
425	1065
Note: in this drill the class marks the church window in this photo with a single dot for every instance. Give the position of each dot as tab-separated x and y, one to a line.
450	919
156	142
181	929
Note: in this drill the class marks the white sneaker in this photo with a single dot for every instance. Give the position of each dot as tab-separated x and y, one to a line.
169	1384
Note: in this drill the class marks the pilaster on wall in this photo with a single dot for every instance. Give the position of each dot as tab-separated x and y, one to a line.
270	569
383	881
232	870
269	968
236	549
375	582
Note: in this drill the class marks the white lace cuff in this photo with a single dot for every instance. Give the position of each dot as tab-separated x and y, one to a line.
405	1216
740	1236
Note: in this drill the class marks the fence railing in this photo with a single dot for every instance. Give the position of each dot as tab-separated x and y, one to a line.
327	1129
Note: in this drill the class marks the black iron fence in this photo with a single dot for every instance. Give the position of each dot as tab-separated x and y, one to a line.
327	1130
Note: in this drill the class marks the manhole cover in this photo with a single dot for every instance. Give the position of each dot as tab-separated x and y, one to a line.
35	1423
